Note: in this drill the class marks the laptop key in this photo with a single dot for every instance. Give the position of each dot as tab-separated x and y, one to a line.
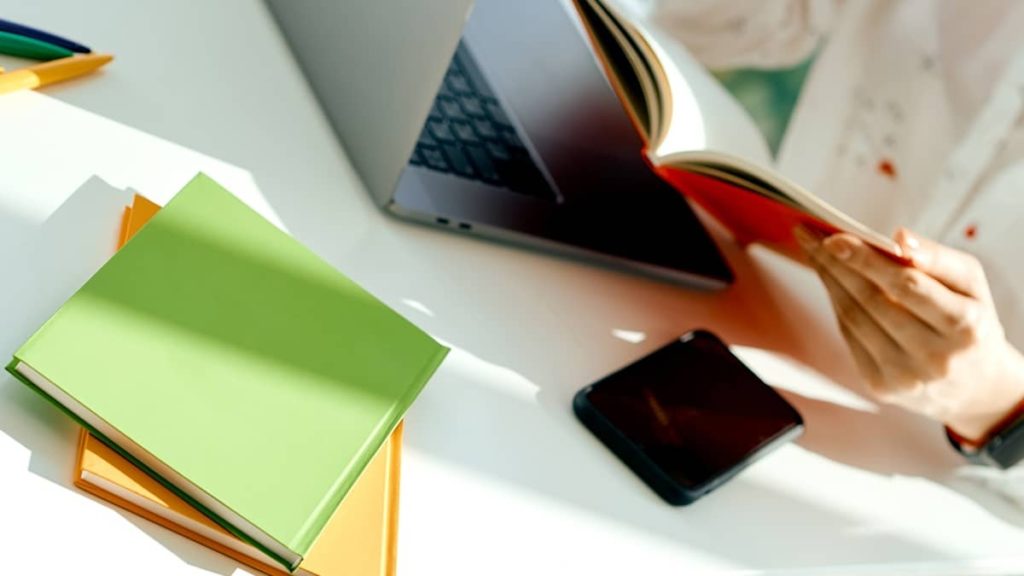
426	139
459	83
464	132
459	163
451	108
434	158
441	131
417	157
464	61
496	113
435	111
498	151
472	105
482	160
445	90
485	128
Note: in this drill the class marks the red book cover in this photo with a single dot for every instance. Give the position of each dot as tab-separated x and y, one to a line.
750	216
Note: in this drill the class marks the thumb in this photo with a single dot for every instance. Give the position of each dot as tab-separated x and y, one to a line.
957	270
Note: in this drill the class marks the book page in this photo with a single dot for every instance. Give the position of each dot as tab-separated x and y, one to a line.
701	115
628	72
741	179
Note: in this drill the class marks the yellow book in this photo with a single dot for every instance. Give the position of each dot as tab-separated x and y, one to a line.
359	539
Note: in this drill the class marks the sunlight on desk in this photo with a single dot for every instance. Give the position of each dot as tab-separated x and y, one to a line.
631	336
418	306
787	374
61	146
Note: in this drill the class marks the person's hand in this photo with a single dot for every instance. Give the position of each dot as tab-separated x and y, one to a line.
925	336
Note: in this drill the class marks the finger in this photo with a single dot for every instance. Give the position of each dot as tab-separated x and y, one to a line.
907	329
889	376
941	308
957	270
862	358
882	347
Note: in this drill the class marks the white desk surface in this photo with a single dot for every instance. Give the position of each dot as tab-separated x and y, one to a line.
498	476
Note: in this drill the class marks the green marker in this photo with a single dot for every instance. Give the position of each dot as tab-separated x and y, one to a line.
21	46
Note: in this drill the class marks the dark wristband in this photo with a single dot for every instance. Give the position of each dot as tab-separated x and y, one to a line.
1001	450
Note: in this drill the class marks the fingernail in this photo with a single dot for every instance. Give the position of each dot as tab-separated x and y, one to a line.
909	242
839	247
803	238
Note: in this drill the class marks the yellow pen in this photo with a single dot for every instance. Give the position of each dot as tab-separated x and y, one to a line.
51	72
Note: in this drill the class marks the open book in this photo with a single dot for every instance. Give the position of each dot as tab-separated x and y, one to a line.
701	141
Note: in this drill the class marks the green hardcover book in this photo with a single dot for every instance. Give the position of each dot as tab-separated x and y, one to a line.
231	363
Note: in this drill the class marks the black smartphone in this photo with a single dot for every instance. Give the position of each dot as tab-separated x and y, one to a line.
687	417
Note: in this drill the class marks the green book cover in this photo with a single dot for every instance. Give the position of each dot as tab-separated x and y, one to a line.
235	366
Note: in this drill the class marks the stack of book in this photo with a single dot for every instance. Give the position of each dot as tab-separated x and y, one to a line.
235	388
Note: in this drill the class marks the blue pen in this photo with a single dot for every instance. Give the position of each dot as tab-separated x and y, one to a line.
13	28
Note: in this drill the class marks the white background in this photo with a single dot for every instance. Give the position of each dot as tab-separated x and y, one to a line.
498	476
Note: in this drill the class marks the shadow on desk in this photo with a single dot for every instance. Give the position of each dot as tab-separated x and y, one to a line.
510	439
48	261
501	404
51	259
52	437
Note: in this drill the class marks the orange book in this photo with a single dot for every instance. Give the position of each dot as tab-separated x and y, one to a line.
700	140
360	537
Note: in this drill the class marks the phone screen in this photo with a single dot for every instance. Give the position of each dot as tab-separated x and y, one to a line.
693	409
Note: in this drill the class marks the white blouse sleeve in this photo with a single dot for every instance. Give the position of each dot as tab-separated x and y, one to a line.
726	34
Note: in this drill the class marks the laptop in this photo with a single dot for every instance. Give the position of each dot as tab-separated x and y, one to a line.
495	120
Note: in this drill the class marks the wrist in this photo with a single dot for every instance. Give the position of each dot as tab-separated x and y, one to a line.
1002	402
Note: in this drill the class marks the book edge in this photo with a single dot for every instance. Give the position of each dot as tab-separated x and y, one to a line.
11	368
166	523
394	489
802	199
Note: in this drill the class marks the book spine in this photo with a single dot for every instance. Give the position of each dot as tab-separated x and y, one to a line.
609	72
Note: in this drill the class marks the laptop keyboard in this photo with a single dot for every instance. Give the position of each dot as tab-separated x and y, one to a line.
469	134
